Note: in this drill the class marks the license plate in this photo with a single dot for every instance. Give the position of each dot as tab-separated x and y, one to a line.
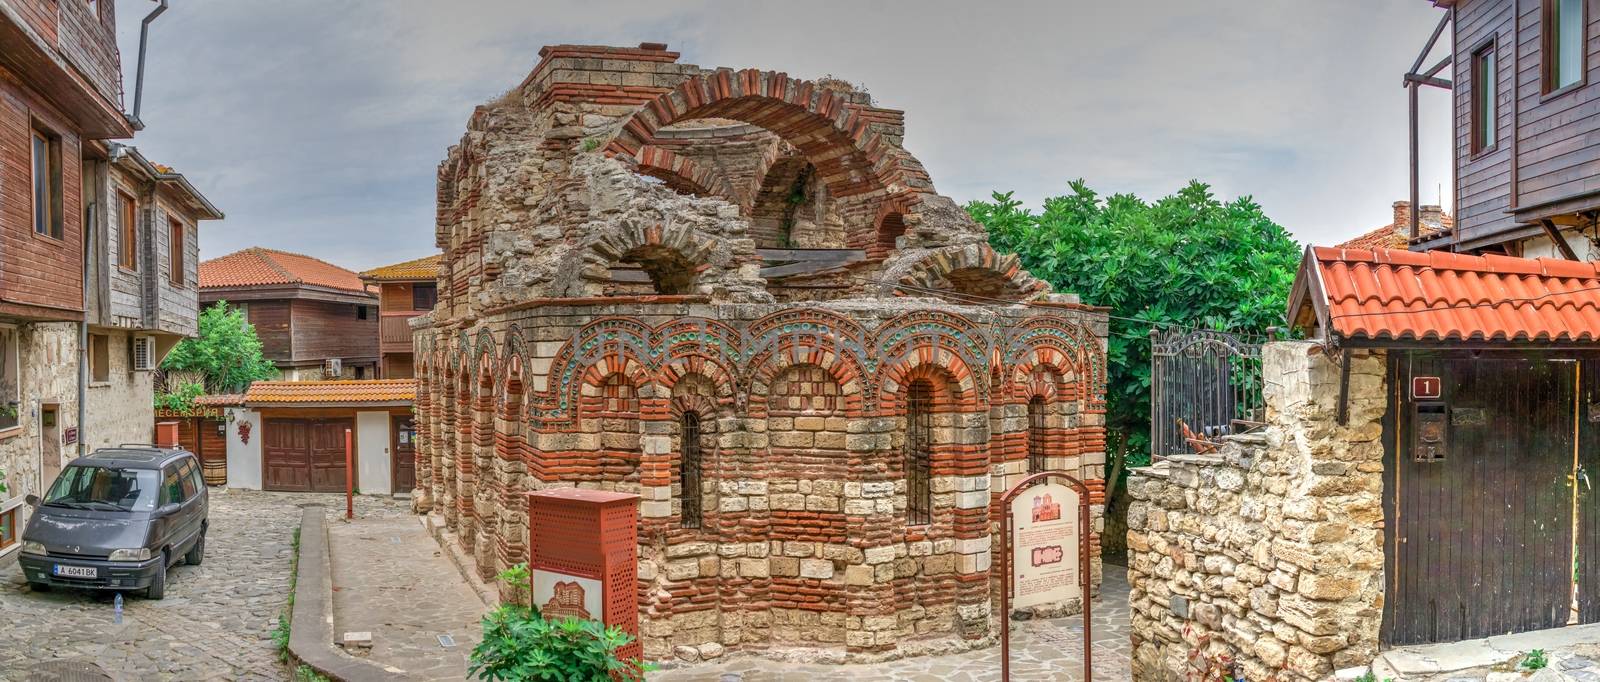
76	571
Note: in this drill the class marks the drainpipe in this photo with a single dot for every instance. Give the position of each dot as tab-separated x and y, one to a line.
138	83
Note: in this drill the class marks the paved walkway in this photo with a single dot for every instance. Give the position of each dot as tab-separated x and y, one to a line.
390	579
1041	650
215	623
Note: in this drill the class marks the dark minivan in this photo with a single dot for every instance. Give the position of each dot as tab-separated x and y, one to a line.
117	519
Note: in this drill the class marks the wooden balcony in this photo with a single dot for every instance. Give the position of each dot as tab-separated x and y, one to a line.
394	331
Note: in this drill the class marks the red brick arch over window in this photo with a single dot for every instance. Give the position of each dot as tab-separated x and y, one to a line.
850	158
682	174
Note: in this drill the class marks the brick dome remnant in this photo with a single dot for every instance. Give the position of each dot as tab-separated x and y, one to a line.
737	295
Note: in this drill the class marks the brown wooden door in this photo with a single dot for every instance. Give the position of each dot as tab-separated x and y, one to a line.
405	457
286	454
304	455
1480	541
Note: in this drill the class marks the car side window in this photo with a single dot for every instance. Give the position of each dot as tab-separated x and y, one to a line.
171	485
186	479
194	475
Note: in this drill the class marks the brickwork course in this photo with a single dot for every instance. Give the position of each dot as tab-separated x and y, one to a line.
735	294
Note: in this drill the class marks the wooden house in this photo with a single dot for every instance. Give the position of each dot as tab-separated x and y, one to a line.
60	101
315	320
1525	126
405	290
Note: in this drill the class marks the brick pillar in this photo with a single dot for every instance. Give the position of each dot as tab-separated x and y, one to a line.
877	530
485	483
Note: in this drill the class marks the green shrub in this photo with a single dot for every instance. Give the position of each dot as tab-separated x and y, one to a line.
1535	660
521	646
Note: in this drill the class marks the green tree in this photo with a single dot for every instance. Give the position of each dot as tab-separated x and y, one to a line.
1186	259
227	352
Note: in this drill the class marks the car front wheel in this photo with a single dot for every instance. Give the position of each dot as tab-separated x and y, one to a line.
39	587
158	583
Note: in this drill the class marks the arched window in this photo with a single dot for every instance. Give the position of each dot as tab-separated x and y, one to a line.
1036	435
689	467
919	453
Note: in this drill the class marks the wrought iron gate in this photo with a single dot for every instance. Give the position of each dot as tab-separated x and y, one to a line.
1201	380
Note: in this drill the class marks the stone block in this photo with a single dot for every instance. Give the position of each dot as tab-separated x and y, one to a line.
819	569
785	566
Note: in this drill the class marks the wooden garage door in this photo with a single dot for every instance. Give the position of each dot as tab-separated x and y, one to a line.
304	454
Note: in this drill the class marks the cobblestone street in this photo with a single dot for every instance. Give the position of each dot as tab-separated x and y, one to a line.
216	620
1041	650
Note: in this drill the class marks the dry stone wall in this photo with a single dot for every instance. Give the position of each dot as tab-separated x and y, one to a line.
1267	556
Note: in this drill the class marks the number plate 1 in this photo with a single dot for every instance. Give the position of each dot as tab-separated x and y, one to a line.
76	571
1426	388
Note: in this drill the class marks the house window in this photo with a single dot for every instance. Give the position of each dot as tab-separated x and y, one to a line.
1485	94
99	358
689	467
919	453
361	373
128	243
1563	43
1036	435
424	296
175	255
47	202
361	312
10	379
8	528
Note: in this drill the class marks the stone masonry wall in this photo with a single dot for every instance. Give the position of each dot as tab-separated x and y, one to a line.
1268	555
49	374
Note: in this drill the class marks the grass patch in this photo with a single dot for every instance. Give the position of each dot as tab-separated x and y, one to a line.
306	673
280	632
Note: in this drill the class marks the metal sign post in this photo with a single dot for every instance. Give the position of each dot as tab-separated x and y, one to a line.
349	478
1007	570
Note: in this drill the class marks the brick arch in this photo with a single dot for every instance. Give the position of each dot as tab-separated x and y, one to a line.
723	377
675	246
800	350
957	386
682	174
1064	345
976	270
850	158
894	219
1064	371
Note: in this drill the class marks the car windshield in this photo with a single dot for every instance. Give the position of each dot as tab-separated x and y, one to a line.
95	487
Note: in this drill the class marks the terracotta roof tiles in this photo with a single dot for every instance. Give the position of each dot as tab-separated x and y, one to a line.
426	268
1434	295
266	267
362	391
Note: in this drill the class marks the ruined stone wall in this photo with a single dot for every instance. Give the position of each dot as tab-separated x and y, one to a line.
1268	555
602	291
803	539
48	363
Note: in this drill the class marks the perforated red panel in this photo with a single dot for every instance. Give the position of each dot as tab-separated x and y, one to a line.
592	534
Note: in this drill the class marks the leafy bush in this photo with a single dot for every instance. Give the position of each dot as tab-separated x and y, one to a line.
520	646
1535	660
181	400
518	582
226	351
1186	259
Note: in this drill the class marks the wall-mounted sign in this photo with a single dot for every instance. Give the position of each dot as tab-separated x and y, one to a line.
559	595
1045	544
1426	388
69	435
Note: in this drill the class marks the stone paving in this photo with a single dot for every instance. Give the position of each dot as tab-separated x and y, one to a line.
391	579
215	623
1041	650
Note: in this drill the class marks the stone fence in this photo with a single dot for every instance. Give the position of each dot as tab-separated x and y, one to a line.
1266	558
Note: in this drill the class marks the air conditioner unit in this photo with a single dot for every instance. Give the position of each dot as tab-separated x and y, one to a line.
144	353
332	368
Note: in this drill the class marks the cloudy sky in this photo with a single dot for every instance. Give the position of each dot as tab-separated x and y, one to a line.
317	126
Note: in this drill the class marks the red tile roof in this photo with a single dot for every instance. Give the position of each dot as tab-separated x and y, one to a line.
1432	295
1387	237
266	267
360	391
420	269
